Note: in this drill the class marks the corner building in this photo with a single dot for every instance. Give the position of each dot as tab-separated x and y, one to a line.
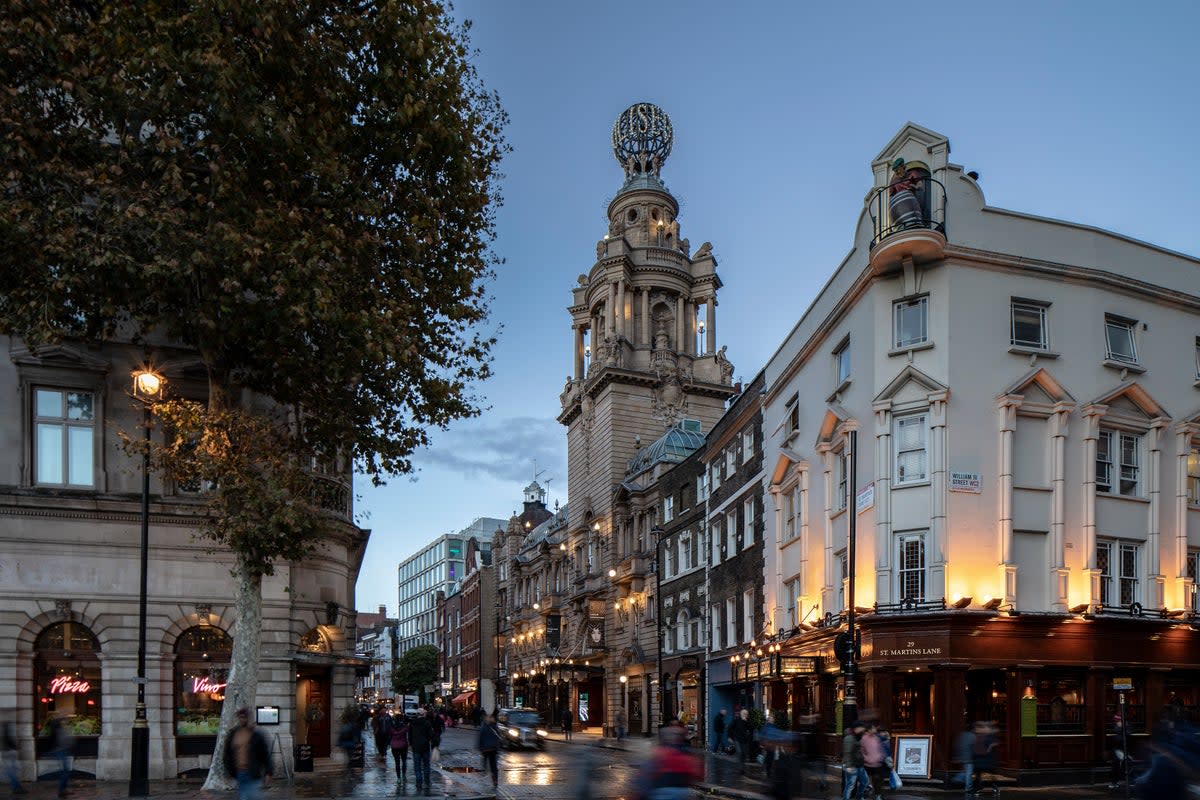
645	359
1023	392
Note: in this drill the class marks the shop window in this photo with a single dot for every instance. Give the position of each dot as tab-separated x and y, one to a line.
1060	705
67	681
1134	711
202	658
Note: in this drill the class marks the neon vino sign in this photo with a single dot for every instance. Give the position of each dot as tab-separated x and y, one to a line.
201	685
65	684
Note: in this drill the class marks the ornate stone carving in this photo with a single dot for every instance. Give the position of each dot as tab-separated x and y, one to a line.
204	612
725	366
63	608
642	137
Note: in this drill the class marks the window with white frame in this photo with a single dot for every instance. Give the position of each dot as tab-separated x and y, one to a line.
731	618
1193	475
843	572
64	428
731	533
1028	326
1193	572
912	457
701	487
730	461
1120	344
685	551
841	362
747	445
843	479
670	569
748	523
714	624
792	599
668	638
1119	563
791	526
792	414
695	632
714	541
668	508
910	322
748	615
910	566
714	475
1118	463
1198	358
682	629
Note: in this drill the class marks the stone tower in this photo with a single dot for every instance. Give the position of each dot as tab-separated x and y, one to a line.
645	359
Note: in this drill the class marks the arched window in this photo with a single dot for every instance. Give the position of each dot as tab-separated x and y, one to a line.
202	656
67	680
682	629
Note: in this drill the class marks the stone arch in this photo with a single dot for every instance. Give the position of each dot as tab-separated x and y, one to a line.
33	627
222	618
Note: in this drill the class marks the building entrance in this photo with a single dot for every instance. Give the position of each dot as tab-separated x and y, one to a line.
314	710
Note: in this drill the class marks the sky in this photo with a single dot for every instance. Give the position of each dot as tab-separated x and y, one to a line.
1083	111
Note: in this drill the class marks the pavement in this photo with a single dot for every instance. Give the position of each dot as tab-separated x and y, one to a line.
607	769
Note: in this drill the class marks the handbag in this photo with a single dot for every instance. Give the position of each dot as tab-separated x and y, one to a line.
435	755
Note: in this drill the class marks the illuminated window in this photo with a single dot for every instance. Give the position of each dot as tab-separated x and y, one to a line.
64	429
792	593
1119	454
202	656
67	682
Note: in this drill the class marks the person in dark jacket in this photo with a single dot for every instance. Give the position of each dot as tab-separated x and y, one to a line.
10	756
247	757
489	746
719	731
421	740
399	746
565	720
741	733
381	731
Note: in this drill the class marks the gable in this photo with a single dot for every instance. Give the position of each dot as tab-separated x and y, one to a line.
1039	387
61	356
1126	408
910	385
1131	399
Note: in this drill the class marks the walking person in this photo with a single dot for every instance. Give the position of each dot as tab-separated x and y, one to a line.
381	731
10	755
719	725
247	757
399	746
421	741
854	776
565	720
671	770
741	733
874	760
64	749
622	723
349	738
962	751
489	747
983	755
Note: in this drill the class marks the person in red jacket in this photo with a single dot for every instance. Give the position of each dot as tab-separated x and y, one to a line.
671	770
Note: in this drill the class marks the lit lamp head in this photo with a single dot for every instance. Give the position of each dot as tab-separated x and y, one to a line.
147	384
612	573
623	679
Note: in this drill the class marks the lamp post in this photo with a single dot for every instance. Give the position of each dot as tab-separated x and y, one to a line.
147	386
657	533
850	703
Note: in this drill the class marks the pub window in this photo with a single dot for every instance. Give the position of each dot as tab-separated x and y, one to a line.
1060	704
202	658
67	681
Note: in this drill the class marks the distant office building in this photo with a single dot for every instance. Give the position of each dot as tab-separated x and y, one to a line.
435	568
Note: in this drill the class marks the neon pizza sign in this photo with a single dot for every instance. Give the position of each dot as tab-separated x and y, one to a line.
66	684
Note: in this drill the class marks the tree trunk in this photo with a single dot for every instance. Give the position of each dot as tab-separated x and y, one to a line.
243	669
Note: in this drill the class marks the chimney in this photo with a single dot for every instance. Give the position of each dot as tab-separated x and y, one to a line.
383	611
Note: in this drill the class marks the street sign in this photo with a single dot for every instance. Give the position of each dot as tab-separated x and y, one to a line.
1122	684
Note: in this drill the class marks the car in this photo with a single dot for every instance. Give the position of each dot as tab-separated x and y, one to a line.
521	728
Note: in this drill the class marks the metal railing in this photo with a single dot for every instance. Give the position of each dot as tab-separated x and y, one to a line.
908	205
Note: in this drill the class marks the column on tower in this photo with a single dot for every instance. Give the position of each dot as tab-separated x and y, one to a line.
620	310
680	323
647	334
612	309
710	325
578	351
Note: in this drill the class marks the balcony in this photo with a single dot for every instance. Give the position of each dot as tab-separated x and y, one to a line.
909	220
632	569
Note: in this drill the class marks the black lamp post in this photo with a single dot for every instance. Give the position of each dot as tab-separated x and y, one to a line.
147	385
657	533
850	650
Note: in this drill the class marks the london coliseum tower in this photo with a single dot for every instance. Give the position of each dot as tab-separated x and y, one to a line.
646	368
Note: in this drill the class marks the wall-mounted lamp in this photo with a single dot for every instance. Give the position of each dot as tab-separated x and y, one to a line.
993	603
1079	609
596	526
963	602
612	573
562	546
623	679
537	606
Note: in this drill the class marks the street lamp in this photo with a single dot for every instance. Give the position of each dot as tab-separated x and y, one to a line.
147	387
657	533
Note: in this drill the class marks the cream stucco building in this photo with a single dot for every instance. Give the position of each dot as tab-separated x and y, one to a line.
1025	398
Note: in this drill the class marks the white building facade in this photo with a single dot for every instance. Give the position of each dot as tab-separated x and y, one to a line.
1025	398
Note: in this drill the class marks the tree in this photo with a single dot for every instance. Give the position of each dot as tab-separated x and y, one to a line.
417	669
302	193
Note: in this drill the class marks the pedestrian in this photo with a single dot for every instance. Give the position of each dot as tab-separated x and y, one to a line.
719	724
962	751
565	719
874	760
670	771
741	733
63	744
983	755
381	730
247	757
349	738
489	747
622	722
399	746
10	755
421	741
787	776
854	776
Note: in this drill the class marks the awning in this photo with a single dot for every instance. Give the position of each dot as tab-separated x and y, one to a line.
462	698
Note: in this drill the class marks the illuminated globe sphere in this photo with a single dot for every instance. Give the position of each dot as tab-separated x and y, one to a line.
642	138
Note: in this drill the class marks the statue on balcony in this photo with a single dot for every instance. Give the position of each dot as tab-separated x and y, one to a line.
905	192
725	366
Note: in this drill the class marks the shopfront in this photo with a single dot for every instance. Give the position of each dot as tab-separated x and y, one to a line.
202	656
68	686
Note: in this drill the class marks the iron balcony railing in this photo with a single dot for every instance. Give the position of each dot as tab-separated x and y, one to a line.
908	204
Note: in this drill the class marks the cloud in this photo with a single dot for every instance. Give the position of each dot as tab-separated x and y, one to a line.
503	448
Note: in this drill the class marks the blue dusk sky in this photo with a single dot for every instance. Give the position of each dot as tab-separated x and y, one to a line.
1083	111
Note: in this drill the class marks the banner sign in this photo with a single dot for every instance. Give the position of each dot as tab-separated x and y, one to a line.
553	631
